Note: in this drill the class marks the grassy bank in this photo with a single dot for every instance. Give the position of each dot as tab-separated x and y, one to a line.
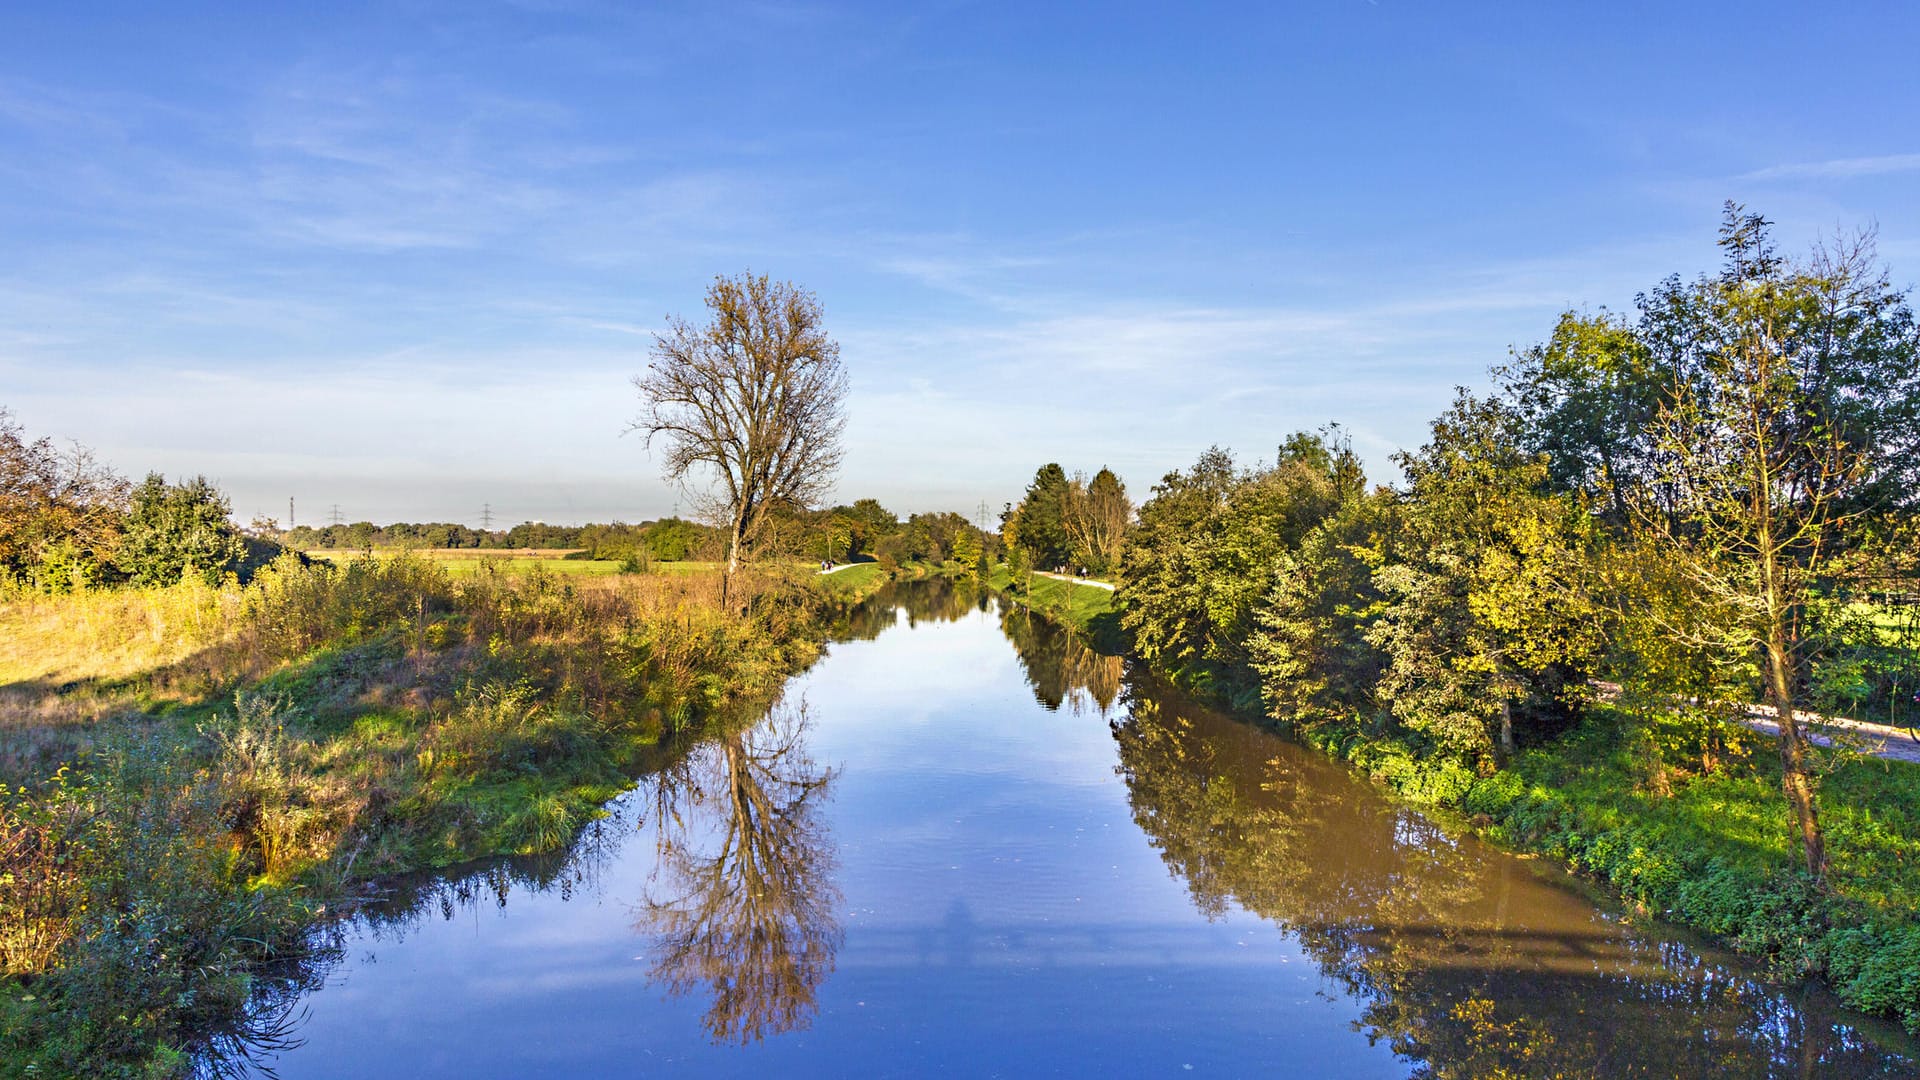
1086	608
1711	850
857	581
195	774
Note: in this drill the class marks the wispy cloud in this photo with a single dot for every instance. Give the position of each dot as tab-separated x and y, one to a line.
1838	168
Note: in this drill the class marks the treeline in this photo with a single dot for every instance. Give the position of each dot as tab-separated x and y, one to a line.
867	530
1656	521
668	539
860	530
68	522
1697	503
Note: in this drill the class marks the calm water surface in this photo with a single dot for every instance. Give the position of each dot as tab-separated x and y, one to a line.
965	844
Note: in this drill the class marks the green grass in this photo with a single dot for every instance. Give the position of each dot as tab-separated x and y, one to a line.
1083	607
857	579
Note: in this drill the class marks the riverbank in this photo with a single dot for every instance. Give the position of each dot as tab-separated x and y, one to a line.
1709	850
1083	605
195	775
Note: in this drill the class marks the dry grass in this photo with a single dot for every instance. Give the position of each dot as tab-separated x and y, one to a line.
68	662
110	634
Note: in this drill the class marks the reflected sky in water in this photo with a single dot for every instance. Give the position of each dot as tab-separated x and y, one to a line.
965	843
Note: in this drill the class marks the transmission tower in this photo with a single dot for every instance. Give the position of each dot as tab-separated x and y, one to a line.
290	513
333	516
486	518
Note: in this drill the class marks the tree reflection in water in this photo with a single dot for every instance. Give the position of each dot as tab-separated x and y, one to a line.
1466	962
1060	667
741	902
923	600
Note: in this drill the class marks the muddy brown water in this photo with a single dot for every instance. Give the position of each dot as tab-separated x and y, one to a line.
964	844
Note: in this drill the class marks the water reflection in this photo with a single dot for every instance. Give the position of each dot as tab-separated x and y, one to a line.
1003	914
741	901
1060	667
1468	963
930	600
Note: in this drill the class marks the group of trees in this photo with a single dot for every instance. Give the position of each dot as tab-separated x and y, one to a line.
1695	503
867	530
68	522
668	539
1070	521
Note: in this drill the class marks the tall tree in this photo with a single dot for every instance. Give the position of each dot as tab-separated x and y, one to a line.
1095	515
1206	550
754	399
1792	423
1587	398
1488	608
1038	522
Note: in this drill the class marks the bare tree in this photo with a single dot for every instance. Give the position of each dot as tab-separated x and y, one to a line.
753	401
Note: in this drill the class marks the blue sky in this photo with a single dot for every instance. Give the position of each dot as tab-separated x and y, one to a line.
404	258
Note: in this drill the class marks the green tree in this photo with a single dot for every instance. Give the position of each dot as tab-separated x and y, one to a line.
175	531
1586	400
672	539
967	549
1206	549
1311	649
1793	423
871	522
1041	529
1491	608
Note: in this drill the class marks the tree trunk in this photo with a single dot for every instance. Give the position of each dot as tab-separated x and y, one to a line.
1794	781
1506	729
733	559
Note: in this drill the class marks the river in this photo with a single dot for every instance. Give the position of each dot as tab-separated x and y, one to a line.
965	844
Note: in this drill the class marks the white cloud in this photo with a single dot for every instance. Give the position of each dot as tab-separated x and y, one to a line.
1838	168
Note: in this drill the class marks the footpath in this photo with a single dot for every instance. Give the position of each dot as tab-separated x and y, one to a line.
1876	740
1071	580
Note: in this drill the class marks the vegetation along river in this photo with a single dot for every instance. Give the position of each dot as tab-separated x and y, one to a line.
964	843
